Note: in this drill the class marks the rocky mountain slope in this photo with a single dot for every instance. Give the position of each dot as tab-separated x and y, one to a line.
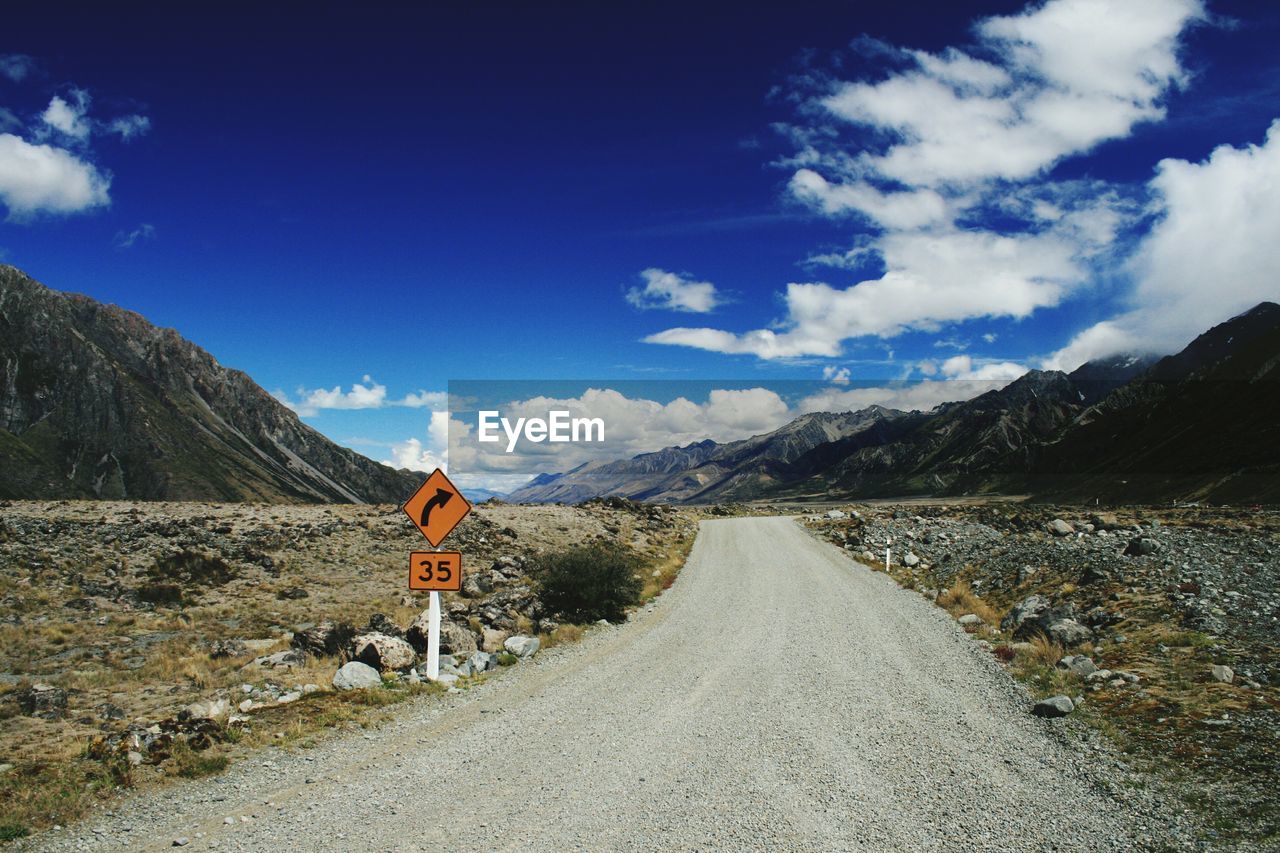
705	471
1201	424
96	402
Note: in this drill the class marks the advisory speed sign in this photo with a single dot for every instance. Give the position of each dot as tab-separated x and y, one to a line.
437	571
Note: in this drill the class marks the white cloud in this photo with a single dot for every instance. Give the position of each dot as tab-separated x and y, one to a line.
128	239
69	117
16	66
425	400
1212	254
39	178
366	394
412	455
948	139
933	278
127	127
674	292
836	375
962	368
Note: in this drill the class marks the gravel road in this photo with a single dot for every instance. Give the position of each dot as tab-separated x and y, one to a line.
780	695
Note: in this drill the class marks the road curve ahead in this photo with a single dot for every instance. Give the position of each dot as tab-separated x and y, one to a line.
779	696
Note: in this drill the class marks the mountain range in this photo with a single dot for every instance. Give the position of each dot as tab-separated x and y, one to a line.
96	402
1203	424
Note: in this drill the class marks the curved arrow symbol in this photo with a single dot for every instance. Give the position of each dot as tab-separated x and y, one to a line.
442	497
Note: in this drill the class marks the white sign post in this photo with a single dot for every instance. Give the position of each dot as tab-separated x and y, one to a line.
887	543
433	637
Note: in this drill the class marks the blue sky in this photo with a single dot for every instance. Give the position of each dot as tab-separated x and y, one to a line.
319	193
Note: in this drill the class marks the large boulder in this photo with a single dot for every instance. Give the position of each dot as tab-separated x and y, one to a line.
382	652
356	676
1068	632
492	639
1028	610
522	646
1036	615
326	638
42	700
1222	673
455	639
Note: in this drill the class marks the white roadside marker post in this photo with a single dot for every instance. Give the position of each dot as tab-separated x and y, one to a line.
433	638
887	543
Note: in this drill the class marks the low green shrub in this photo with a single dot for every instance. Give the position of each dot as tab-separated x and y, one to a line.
590	582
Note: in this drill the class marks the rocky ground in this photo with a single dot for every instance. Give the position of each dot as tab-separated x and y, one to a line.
141	641
1159	626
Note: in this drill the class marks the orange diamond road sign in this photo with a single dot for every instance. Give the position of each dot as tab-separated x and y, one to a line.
437	507
439	571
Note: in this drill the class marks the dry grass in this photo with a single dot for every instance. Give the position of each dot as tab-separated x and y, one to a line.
960	599
151	661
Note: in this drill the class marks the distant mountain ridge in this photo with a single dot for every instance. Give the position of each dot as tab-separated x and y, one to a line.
1201	424
96	402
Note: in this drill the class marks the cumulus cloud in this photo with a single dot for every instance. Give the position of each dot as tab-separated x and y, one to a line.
836	375
40	178
366	394
948	143
69	117
425	400
674	292
966	369
128	239
412	455
48	167
1212	254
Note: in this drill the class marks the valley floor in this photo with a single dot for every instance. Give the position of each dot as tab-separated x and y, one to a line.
780	695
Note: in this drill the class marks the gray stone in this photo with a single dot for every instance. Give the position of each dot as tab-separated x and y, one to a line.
1081	665
1222	673
483	662
356	676
1142	546
834	513
1068	632
522	646
212	709
384	653
282	660
910	560
1054	706
1058	527
970	620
